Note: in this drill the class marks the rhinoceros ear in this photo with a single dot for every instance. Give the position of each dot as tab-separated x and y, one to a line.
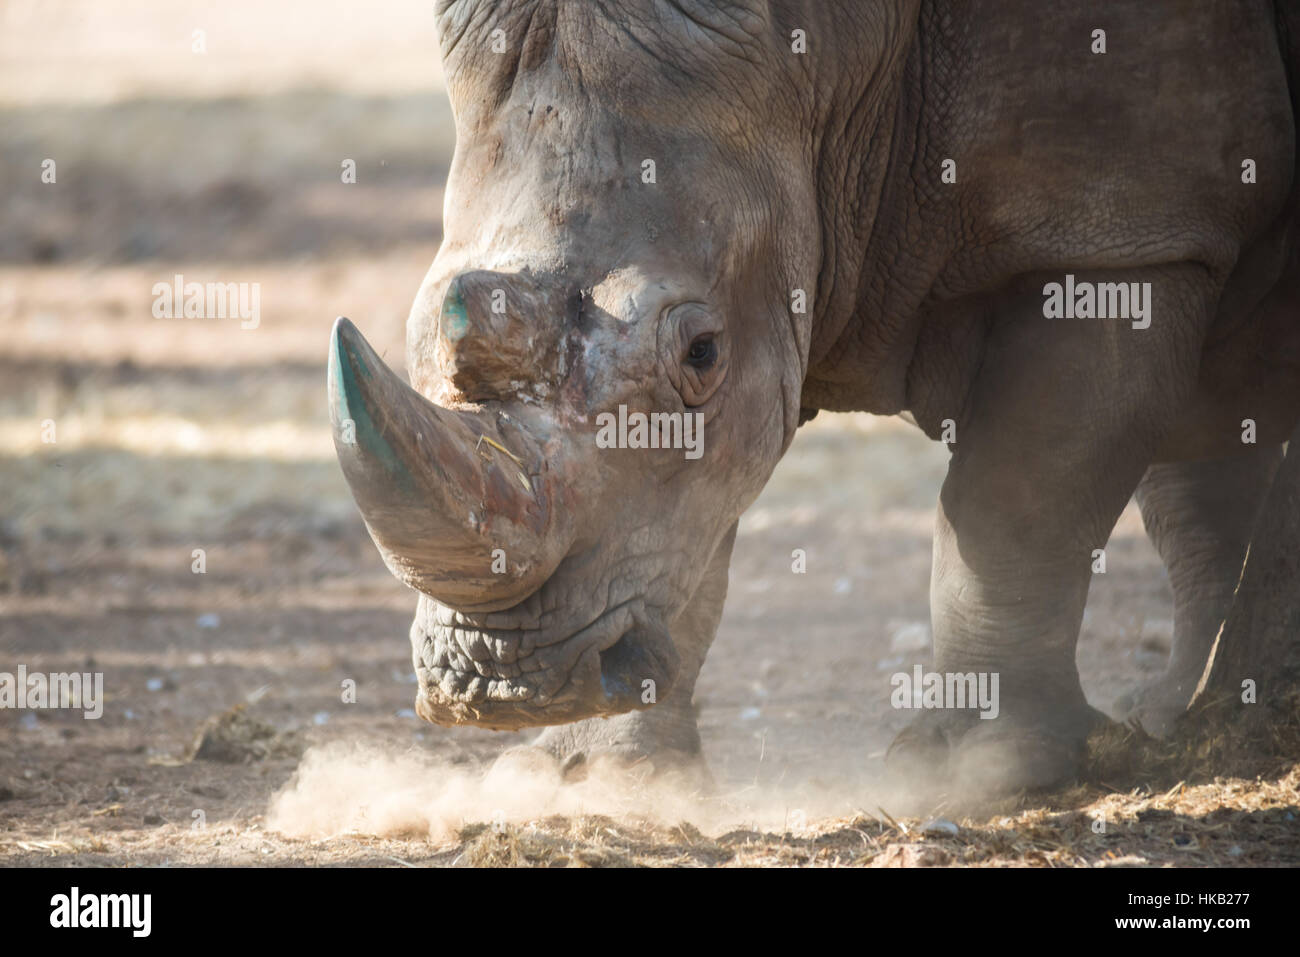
443	493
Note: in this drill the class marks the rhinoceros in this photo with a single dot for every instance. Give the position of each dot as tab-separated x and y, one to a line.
1058	237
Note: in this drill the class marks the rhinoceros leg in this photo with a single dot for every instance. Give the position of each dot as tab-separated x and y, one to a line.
663	739
1061	423
1200	516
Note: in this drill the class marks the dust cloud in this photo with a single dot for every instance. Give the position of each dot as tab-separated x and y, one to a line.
345	788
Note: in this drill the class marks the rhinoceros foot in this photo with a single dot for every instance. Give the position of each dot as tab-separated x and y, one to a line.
946	752
1155	707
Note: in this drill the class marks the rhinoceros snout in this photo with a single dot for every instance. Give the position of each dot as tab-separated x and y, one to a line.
471	672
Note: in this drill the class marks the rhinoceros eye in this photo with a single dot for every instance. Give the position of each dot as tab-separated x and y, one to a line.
703	353
696	352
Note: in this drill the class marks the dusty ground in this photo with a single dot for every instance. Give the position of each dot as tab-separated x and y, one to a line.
181	434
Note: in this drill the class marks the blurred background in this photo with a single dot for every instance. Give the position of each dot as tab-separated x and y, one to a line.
207	139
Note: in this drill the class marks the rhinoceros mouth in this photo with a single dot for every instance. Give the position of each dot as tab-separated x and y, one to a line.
508	678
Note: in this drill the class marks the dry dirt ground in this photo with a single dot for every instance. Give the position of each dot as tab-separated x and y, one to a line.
173	435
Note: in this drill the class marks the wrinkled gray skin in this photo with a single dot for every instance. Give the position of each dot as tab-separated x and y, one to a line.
821	172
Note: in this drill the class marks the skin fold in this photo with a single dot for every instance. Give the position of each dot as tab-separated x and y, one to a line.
799	248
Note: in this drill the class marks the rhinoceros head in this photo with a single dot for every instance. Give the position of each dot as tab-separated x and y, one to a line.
629	216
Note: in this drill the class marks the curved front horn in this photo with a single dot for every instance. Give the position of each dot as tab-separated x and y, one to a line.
464	506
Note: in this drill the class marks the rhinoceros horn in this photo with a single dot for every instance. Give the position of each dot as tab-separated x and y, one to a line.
442	490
